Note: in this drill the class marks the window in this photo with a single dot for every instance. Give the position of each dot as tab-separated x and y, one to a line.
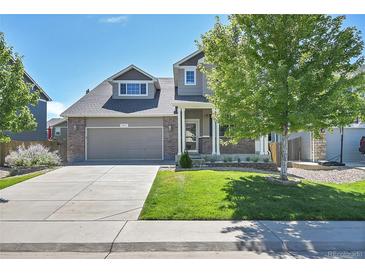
190	75
222	130
57	131
133	89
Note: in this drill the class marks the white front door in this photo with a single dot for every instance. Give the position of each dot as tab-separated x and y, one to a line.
192	135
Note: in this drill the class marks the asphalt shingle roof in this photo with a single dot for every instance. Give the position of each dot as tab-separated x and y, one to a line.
55	121
99	103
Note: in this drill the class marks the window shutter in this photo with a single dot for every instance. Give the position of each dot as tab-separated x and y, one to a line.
143	89
123	89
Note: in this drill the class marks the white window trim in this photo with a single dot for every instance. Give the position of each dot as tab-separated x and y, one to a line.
190	69
133	82
57	131
197	123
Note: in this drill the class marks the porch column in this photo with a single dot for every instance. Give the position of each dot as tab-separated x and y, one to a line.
179	131
183	129
217	141
213	136
266	147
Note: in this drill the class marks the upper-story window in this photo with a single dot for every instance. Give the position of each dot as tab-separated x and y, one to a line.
133	89
190	76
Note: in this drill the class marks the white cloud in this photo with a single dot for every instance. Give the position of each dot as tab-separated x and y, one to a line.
54	109
114	20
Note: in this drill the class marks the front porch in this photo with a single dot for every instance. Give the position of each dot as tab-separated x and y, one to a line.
200	134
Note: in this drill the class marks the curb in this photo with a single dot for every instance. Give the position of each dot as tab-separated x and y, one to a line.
258	246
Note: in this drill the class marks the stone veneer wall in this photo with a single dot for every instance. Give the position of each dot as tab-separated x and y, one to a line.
205	145
170	137
320	148
261	166
76	139
245	146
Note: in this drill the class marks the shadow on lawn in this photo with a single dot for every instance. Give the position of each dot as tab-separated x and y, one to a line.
253	198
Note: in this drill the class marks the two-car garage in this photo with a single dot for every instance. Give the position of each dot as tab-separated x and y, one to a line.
129	140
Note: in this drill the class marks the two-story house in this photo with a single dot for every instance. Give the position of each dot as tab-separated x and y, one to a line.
39	112
133	115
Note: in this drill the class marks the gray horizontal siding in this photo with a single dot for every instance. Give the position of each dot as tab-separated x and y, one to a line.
183	89
40	133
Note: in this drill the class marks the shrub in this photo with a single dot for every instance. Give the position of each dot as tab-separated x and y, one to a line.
214	158
238	160
34	155
248	158
225	159
229	159
266	160
255	159
185	160
206	158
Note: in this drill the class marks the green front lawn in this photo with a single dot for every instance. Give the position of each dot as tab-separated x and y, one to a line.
9	181
225	195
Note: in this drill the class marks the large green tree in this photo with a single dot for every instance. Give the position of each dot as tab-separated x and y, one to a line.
283	74
16	94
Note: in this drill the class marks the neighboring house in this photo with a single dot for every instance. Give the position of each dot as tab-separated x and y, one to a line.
57	128
329	148
39	112
133	115
352	135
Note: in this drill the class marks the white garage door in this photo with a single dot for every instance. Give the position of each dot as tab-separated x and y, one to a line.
351	142
124	144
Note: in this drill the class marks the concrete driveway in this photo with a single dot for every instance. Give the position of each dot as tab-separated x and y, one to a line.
80	193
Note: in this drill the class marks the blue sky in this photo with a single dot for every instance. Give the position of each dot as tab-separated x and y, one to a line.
67	54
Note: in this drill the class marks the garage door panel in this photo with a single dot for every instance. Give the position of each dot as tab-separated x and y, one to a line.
124	143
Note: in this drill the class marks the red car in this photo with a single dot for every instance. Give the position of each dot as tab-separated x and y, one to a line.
362	145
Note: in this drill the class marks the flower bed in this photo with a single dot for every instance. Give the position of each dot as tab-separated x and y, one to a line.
25	170
270	166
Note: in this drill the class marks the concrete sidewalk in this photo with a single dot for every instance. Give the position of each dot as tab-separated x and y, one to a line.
145	236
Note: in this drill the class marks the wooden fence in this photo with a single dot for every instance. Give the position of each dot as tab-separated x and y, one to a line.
53	145
294	150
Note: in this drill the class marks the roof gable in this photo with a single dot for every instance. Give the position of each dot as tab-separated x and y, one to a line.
191	60
43	96
132	73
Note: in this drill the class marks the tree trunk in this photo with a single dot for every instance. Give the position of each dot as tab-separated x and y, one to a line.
284	155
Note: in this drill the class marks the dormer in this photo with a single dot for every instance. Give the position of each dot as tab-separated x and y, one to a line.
133	83
189	80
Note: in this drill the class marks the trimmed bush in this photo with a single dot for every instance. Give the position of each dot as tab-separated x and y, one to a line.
33	156
206	158
185	160
255	159
248	158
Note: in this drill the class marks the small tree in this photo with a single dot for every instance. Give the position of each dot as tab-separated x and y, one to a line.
185	160
15	94
283	73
